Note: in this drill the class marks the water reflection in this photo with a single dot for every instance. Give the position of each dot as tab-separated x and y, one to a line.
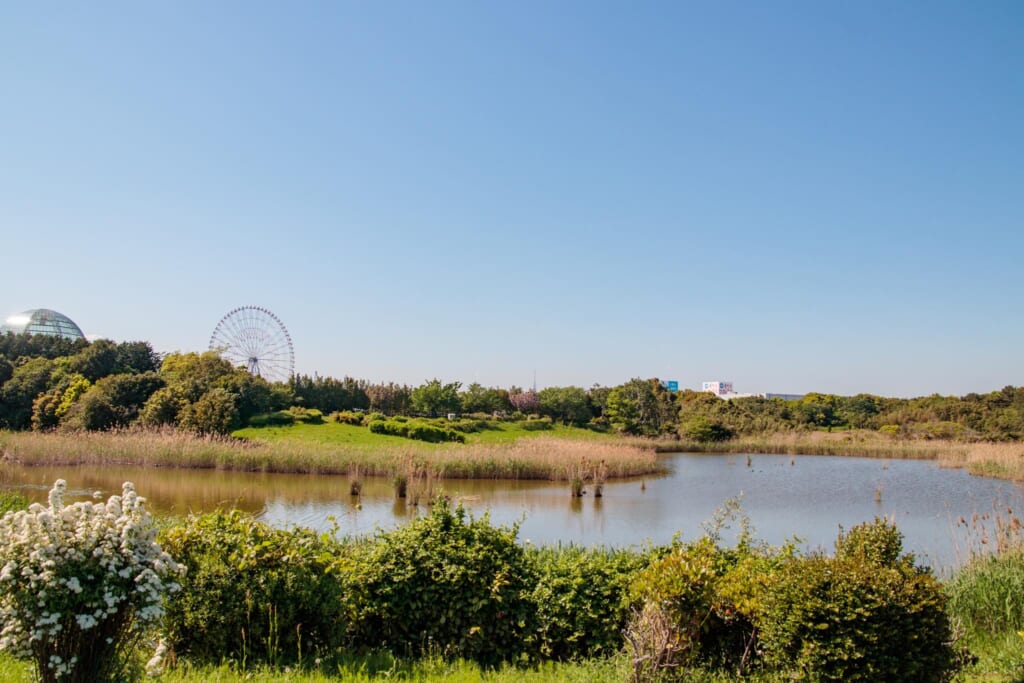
809	497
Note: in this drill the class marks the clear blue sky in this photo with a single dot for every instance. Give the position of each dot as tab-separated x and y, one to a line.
794	196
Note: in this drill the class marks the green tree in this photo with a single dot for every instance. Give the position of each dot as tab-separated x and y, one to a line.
390	398
635	408
136	357
195	373
28	380
568	404
113	401
97	360
44	411
255	395
329	394
479	399
598	399
858	411
6	370
434	398
215	412
162	408
820	410
15	346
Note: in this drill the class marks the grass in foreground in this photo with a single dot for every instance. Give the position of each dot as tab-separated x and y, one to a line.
379	668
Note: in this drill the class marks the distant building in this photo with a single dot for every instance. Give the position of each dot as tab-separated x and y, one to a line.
717	388
725	391
42	321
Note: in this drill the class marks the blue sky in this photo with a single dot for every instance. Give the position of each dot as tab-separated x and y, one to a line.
794	196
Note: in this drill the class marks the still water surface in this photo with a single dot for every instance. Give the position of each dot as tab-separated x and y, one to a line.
810	499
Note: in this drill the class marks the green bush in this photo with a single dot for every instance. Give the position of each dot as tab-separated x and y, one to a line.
702	429
536	424
865	615
445	583
280	418
12	501
348	417
373	417
415	429
879	542
307	415
686	587
582	598
468	426
252	593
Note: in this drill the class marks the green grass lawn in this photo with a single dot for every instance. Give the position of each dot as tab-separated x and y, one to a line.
355	436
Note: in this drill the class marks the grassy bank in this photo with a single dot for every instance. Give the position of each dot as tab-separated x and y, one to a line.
332	448
505	451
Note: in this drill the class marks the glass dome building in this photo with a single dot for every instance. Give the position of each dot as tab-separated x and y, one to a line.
42	321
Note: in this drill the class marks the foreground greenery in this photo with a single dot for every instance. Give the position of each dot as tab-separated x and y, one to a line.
453	597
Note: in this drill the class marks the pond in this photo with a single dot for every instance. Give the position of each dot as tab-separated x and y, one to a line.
808	497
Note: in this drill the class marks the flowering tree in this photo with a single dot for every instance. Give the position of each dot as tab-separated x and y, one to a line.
526	402
80	584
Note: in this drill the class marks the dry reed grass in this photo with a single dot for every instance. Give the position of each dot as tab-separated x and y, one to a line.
1000	460
529	458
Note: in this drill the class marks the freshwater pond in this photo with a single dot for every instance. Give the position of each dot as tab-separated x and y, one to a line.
809	497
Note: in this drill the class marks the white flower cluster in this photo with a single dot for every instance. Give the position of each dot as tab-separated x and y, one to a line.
66	570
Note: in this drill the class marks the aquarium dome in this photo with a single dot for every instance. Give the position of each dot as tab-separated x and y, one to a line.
42	321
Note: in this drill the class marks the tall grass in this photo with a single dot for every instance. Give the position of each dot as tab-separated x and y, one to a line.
529	458
986	595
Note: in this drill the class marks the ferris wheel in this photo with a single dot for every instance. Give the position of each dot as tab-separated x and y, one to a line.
255	338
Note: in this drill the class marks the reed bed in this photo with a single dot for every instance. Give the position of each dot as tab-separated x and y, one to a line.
527	458
860	444
1000	460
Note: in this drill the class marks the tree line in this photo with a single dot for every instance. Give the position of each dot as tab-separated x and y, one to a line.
52	383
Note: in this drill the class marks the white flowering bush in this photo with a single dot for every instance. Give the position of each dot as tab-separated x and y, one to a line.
81	584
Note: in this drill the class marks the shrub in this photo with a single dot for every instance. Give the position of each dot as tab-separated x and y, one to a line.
702	429
879	542
252	592
582	598
348	417
280	418
684	587
469	426
307	415
864	615
444	583
80	584
12	501
536	424
417	430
